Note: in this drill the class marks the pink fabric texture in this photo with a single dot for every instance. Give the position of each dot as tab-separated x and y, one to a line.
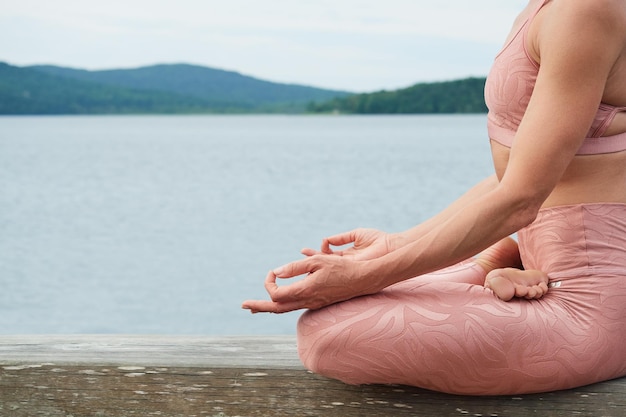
446	332
510	85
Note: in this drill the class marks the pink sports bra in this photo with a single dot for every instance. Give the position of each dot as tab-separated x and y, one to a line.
510	85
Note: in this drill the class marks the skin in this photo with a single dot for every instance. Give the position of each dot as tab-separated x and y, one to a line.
581	47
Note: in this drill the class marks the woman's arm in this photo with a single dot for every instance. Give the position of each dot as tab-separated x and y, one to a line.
578	43
369	244
485	186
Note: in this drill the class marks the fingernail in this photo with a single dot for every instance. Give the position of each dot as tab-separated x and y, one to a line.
278	271
248	308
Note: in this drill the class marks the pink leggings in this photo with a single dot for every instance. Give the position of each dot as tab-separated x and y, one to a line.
446	332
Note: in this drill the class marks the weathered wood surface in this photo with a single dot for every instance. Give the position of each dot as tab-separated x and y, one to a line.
119	376
189	351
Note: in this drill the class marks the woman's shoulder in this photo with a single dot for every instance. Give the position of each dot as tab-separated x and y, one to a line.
608	11
585	21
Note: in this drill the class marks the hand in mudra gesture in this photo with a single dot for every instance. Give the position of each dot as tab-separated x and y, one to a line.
367	244
331	275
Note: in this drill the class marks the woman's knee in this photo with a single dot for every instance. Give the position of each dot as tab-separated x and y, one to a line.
310	341
323	345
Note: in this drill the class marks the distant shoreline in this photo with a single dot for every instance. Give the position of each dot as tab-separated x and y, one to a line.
195	90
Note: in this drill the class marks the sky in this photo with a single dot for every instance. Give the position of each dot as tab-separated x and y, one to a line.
351	45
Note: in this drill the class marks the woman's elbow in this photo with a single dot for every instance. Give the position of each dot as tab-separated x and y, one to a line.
522	207
526	213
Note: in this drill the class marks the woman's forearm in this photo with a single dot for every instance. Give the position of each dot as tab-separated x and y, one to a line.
411	235
483	219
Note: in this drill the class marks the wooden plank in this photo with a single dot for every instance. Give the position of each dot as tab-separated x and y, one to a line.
265	351
119	376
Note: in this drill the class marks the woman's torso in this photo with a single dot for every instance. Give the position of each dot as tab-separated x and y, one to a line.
589	178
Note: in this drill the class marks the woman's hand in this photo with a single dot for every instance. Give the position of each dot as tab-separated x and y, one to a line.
367	244
329	279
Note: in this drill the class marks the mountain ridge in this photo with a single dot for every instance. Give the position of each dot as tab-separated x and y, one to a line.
197	81
163	88
187	88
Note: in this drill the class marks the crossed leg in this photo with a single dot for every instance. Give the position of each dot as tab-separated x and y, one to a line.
505	274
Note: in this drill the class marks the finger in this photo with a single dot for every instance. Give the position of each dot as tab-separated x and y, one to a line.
292	293
264	306
338	240
282	300
310	252
270	283
289	306
284	294
326	250
294	269
259	306
326	247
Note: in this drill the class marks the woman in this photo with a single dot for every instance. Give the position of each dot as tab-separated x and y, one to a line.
557	123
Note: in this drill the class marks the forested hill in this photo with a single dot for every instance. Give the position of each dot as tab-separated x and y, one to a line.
460	96
178	88
183	88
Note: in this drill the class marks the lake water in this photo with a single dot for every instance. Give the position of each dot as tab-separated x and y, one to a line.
165	224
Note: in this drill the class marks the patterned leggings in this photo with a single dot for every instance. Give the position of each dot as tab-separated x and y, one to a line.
446	332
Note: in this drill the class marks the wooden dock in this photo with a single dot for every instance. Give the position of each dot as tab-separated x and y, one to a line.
119	376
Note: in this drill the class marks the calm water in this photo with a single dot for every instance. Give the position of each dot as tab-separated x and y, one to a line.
165	224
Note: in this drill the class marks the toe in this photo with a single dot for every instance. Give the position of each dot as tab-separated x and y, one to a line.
501	286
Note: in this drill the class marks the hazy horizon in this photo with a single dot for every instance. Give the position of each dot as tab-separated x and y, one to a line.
353	46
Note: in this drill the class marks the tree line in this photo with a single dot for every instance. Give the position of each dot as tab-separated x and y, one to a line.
191	89
460	96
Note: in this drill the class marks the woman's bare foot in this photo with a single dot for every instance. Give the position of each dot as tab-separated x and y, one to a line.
505	274
507	283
